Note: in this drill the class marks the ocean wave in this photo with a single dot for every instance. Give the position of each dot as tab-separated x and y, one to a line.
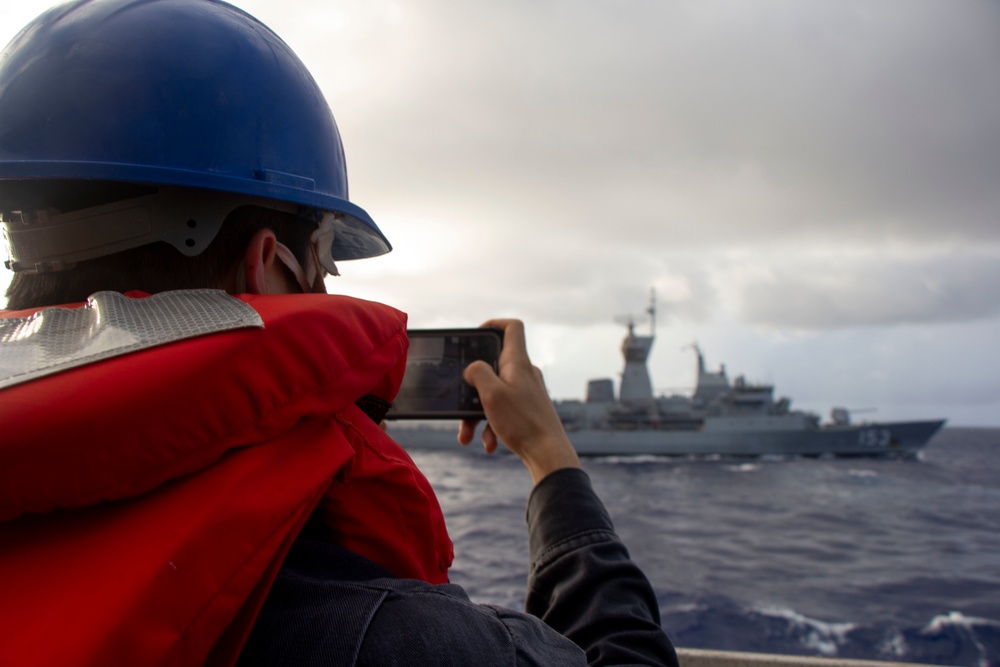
894	645
983	633
823	637
956	619
719	623
632	460
744	467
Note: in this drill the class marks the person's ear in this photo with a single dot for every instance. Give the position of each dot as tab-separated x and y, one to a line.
259	261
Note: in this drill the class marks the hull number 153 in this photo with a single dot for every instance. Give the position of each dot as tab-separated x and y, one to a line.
874	437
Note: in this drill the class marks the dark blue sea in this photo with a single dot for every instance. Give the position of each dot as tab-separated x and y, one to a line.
854	558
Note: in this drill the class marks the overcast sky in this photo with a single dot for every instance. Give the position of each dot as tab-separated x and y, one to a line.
812	188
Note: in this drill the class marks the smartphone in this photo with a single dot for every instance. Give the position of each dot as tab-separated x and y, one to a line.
433	387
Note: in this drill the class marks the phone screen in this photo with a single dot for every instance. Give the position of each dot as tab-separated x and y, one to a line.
432	386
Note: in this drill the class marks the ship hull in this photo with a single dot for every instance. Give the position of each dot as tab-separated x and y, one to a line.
902	439
893	439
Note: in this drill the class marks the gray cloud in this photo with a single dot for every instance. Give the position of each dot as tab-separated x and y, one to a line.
866	291
603	151
711	124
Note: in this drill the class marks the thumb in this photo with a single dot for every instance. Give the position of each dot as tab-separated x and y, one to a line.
481	375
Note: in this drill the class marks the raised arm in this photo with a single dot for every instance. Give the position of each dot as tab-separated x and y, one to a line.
582	582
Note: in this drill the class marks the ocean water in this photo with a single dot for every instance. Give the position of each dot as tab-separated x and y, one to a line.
855	558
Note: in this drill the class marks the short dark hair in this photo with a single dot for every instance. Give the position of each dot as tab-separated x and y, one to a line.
159	266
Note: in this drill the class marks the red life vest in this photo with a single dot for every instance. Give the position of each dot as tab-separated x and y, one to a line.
147	501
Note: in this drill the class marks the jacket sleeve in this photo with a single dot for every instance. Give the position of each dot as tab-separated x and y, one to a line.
582	582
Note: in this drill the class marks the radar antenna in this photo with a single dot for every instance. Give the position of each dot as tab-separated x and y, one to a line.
652	311
629	320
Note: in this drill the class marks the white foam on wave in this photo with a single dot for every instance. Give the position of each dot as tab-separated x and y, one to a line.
894	645
862	473
688	608
744	467
966	625
820	636
956	619
641	458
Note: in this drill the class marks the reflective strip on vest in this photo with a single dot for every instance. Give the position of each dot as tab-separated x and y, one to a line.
110	325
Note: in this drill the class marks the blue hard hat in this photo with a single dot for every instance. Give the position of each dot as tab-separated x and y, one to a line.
174	94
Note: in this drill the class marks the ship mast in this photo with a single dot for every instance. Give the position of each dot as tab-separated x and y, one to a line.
652	312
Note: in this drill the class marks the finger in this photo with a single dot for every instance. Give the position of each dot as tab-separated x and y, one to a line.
489	440
480	375
513	336
467	431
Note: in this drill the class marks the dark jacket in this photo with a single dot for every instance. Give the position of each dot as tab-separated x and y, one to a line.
329	606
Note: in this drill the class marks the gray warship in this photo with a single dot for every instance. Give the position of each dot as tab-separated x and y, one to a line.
720	418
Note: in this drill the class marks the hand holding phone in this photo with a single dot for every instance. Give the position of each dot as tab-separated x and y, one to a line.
518	408
433	385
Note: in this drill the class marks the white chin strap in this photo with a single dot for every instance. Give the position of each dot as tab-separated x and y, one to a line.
322	262
321	241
